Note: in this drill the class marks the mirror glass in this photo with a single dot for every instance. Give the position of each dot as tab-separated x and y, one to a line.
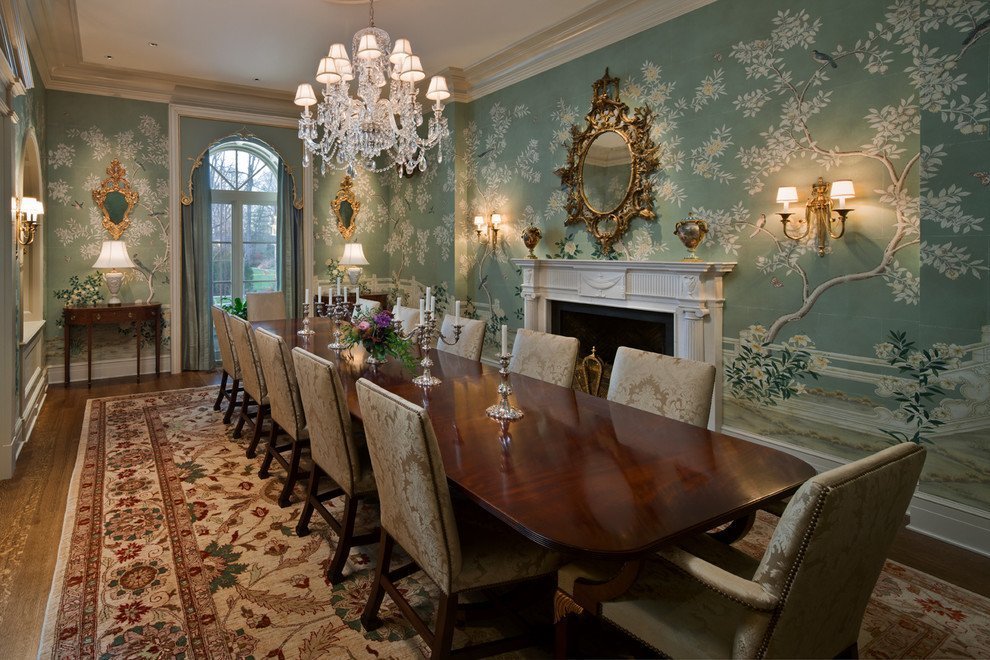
346	213
116	206
607	172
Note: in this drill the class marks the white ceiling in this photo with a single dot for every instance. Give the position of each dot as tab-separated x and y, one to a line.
280	41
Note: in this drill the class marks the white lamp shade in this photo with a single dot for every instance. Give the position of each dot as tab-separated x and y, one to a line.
479	221
401	51
787	194
368	48
345	70
305	95
31	207
328	71
411	70
114	255
338	52
843	189
353	255
438	89
496	219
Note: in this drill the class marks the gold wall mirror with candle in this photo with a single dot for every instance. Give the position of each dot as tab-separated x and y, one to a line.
116	199
346	207
609	164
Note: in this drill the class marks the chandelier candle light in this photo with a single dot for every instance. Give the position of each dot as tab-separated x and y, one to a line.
371	131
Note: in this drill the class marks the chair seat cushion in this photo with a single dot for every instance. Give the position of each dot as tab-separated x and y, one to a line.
492	553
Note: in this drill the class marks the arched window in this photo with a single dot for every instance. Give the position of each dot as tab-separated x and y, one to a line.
244	197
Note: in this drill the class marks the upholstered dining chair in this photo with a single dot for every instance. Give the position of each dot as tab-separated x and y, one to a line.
266	306
541	355
252	381
228	365
472	338
366	307
673	387
806	596
460	550
286	412
409	316
336	453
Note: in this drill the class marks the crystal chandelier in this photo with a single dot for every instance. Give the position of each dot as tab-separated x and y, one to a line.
371	131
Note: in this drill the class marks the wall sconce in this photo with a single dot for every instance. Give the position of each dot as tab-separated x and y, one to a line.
26	212
829	220
488	230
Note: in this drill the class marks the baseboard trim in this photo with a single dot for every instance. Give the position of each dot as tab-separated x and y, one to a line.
958	524
115	368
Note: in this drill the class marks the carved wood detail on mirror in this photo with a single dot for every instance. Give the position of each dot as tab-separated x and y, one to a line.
116	199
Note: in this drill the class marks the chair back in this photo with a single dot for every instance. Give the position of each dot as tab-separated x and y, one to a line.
266	306
673	387
280	376
227	357
328	419
827	552
252	379
408	315
366	307
412	486
472	337
541	355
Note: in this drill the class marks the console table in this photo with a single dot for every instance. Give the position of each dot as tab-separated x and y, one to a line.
136	313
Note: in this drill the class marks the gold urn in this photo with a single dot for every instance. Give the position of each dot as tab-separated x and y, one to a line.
692	232
531	237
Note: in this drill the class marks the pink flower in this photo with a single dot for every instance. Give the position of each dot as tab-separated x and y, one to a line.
363	325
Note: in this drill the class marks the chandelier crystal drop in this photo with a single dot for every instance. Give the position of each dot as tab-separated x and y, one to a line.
371	131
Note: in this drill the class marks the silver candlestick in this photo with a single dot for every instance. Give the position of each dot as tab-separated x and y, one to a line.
306	330
426	333
503	409
337	310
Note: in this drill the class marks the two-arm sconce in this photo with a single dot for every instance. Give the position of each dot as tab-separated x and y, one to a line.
26	211
487	229
828	218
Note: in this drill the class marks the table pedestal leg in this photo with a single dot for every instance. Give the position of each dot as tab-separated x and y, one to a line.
89	355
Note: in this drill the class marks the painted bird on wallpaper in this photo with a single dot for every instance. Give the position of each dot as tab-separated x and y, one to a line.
76	204
760	223
975	33
984	177
824	58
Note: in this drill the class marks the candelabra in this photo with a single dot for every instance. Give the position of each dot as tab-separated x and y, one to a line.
503	410
306	330
426	332
337	310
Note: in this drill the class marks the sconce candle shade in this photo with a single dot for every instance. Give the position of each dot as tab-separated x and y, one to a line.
26	211
786	195
842	190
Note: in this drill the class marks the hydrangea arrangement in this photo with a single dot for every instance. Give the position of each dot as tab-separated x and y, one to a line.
86	292
375	332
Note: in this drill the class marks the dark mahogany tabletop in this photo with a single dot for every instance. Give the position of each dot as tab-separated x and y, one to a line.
577	473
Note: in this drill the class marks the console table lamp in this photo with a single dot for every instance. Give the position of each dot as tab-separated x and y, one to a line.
353	258
113	255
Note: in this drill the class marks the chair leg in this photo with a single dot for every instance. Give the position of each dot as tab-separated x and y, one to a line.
562	637
269	453
336	571
259	422
234	390
302	527
243	416
369	618
223	390
444	634
285	499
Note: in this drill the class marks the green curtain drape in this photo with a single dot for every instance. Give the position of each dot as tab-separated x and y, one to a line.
197	325
290	255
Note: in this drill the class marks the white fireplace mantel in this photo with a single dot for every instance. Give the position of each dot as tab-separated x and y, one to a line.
689	290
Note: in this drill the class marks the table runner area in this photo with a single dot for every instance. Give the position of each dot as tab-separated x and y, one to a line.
173	546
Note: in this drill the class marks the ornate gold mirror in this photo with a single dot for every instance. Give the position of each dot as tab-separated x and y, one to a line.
346	207
609	165
116	200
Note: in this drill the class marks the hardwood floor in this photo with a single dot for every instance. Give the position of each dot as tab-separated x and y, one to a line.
34	504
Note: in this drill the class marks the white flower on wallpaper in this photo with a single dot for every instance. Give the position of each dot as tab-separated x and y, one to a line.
705	160
527	160
751	102
903	283
711	87
951	260
61	156
58	190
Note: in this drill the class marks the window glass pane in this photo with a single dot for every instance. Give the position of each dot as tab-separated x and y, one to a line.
221	262
259	264
259	222
222	216
221	292
260	286
223	169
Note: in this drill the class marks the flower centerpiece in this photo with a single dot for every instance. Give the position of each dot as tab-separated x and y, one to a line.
375	332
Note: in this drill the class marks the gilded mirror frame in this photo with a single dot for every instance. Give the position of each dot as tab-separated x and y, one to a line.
609	113
116	182
346	194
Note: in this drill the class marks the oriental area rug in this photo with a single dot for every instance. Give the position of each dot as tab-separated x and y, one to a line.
173	547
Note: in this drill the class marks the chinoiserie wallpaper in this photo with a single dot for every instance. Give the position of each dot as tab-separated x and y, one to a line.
84	133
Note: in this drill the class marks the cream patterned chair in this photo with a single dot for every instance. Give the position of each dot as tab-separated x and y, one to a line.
472	338
460	550
252	380
805	598
408	315
366	307
550	358
673	387
336	454
287	411
266	306
228	363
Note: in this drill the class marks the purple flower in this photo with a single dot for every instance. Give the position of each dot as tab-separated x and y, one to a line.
383	319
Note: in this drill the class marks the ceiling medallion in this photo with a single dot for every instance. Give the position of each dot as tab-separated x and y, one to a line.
371	131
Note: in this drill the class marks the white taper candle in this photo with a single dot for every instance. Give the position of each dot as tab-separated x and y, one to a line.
457	312
505	339
422	309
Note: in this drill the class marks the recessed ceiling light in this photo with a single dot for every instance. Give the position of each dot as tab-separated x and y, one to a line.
257	79
153	44
109	57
